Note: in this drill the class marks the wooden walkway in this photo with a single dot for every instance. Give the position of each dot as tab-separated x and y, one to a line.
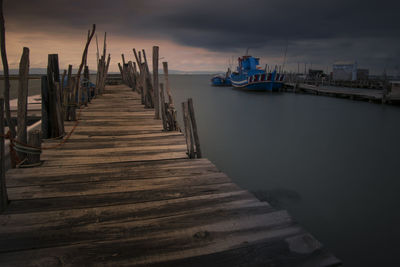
122	192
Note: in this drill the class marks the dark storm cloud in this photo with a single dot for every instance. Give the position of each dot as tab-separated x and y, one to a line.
337	26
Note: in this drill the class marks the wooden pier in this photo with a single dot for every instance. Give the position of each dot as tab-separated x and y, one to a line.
362	94
123	192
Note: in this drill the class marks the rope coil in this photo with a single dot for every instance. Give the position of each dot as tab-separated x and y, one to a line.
15	145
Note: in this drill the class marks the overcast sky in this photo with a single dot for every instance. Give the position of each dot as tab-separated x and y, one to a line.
207	35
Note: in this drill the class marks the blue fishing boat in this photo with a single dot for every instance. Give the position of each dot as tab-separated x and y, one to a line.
249	76
221	79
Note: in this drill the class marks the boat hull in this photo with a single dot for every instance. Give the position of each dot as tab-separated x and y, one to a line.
257	86
218	81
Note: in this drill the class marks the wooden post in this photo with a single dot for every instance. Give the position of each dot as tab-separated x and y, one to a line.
194	127
121	71
67	94
23	99
155	83
34	141
10	122
145	85
72	108
45	107
84	56
123	59
188	130
56	125
86	85
163	110
3	188
62	92
103	83
166	80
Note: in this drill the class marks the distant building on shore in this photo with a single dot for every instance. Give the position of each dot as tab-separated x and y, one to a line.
344	71
348	71
362	74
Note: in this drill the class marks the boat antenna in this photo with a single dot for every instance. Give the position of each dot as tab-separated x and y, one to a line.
247	51
284	57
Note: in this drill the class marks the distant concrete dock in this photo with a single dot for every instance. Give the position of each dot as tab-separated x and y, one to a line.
363	94
123	192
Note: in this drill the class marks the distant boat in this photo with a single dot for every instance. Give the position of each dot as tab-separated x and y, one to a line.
249	76
222	79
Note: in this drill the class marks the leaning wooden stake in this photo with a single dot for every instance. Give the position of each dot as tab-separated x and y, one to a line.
84	57
10	122
188	130
23	99
194	127
155	83
3	188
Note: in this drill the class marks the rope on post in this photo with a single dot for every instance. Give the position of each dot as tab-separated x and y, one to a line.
16	146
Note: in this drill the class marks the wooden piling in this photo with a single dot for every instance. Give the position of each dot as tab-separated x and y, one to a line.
121	71
194	128
86	85
23	99
67	101
166	81
45	107
155	83
105	72
163	109
188	130
56	121
4	60
3	188
84	57
72	106
34	141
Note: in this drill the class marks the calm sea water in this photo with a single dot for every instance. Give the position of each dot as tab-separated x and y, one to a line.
334	164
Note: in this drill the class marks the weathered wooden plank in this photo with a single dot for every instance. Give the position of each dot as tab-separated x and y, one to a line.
131	136
123	128
142	211
91	188
130	227
95	143
108	171
109	151
111	199
129	158
165	245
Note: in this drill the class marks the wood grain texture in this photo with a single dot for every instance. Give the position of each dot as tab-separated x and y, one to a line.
122	192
